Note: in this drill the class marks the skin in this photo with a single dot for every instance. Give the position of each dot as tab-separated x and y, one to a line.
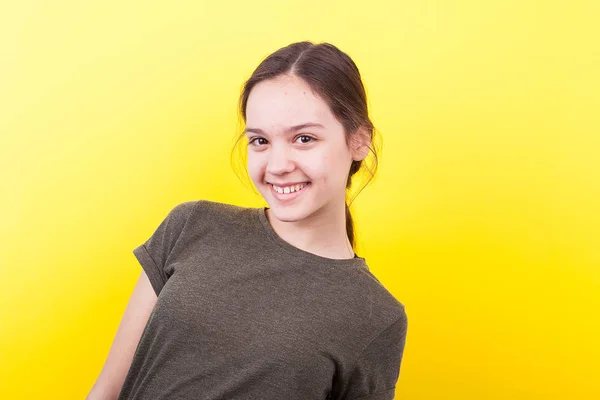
315	220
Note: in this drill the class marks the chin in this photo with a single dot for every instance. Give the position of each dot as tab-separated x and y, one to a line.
286	213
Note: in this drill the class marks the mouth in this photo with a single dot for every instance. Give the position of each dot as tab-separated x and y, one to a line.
284	197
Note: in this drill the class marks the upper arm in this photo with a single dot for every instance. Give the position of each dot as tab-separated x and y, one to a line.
153	255
377	369
140	305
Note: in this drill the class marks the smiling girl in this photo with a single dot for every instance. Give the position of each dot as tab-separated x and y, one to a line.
270	302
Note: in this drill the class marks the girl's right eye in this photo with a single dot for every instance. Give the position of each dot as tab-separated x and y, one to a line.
252	142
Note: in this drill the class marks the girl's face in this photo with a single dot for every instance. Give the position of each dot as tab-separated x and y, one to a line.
296	146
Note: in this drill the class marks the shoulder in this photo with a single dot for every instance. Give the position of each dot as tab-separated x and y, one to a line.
183	209
208	213
374	308
201	205
388	304
214	208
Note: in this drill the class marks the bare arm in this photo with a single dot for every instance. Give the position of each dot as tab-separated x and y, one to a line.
111	378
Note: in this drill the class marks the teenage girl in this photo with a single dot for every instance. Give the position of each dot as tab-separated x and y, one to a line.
271	302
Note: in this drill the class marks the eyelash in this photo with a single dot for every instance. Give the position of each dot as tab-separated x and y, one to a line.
251	142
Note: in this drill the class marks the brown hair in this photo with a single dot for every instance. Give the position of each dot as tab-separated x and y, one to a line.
333	75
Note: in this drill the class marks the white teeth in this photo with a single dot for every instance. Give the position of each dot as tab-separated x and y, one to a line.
289	189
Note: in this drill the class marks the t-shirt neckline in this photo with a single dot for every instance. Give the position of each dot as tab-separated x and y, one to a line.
260	212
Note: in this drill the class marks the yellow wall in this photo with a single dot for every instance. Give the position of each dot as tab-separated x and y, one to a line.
484	219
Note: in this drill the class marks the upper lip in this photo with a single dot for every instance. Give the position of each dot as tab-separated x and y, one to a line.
287	183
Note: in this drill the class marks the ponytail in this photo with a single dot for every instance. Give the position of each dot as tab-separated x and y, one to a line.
349	221
349	226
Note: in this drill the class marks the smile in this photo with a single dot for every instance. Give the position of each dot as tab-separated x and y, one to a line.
286	194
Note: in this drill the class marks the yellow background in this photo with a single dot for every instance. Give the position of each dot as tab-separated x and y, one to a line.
484	219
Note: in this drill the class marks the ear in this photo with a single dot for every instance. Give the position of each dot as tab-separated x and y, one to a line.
360	144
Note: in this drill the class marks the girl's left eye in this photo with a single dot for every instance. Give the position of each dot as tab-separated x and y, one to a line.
305	136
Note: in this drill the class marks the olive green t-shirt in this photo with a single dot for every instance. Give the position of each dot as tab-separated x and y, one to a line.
243	314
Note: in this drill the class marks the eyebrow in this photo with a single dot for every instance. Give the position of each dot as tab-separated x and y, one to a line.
294	128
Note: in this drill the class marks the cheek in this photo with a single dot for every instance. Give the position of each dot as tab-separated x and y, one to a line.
255	168
330	162
335	166
318	168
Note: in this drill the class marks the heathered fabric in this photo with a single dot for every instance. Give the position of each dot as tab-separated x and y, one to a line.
243	314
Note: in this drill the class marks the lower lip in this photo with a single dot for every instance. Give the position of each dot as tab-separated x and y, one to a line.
288	196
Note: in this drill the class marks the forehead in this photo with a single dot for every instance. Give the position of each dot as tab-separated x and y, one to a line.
286	101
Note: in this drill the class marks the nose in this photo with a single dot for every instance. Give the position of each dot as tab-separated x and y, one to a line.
280	160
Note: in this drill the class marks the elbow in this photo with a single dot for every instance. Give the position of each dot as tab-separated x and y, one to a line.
99	392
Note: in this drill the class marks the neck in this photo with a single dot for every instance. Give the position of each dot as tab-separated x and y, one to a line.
323	233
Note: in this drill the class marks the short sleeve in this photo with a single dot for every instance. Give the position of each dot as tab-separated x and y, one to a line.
153	255
377	369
